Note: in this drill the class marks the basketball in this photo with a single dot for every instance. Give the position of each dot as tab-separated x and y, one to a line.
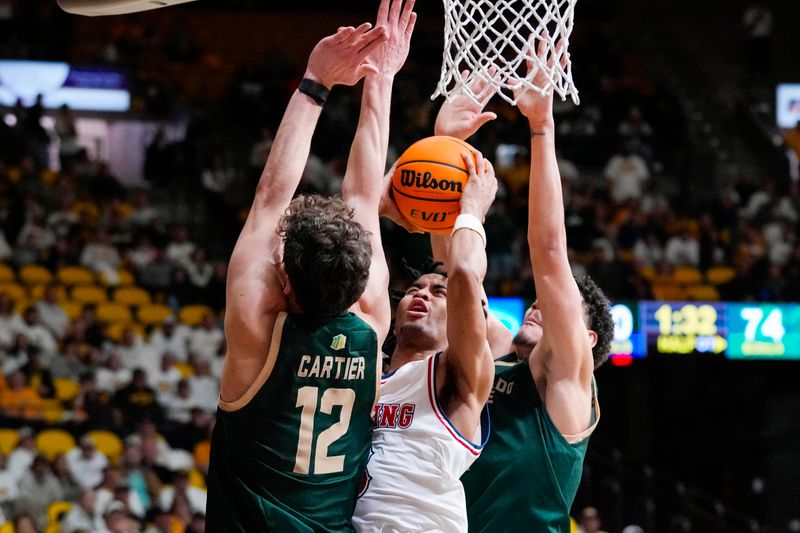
428	181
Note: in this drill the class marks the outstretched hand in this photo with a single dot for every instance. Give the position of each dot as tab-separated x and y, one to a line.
461	117
531	103
481	187
388	58
340	59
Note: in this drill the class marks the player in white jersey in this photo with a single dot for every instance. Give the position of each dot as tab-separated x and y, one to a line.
428	418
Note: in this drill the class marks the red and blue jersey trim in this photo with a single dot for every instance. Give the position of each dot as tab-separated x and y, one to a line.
474	449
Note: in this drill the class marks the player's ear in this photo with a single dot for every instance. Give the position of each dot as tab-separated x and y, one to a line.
284	279
592	337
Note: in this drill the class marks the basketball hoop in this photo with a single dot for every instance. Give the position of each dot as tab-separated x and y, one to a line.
97	8
479	34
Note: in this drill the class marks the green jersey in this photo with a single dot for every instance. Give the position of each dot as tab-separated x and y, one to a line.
528	474
289	455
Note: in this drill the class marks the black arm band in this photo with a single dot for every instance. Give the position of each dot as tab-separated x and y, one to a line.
316	91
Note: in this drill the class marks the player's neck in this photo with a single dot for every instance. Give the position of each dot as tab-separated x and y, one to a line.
409	354
521	351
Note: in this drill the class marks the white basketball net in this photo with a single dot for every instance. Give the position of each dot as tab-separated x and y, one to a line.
482	33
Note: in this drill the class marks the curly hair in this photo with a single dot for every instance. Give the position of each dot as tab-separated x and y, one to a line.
600	321
326	254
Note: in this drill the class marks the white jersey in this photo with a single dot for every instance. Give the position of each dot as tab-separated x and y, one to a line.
412	478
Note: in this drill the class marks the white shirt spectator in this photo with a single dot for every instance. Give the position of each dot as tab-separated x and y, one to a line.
20	461
626	176
171	338
36	236
9	489
196	497
179	408
105	497
5	248
758	21
112	379
77	519
205	392
53	317
682	250
648	251
164	381
86	471
39	336
9	326
206	341
199	273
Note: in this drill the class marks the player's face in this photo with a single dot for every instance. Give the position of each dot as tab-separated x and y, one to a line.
530	332
422	312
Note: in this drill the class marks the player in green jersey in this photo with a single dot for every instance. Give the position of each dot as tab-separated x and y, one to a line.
543	405
307	309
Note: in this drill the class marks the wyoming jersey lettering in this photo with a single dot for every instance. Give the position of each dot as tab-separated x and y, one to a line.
291	452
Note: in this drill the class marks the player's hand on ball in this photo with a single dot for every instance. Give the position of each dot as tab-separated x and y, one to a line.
340	59
388	207
461	117
389	57
481	185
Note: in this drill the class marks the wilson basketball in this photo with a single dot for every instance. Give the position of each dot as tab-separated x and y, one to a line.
428	181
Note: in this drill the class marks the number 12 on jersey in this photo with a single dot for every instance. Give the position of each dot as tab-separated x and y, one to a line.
307	398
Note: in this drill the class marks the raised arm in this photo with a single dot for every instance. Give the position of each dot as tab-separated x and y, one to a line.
464	380
562	359
255	288
363	181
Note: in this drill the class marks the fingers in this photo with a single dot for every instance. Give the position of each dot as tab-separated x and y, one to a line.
412	21
408	13
371	40
362	32
469	161
383	12
343	33
394	12
483	118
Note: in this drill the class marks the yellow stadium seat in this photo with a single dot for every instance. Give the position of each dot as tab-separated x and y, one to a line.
52	442
66	389
75	275
648	273
35	275
124	279
108	443
703	292
89	294
668	291
185	369
110	312
6	273
37	292
72	309
131	296
15	291
687	275
153	314
56	511
52	410
196	479
22	304
191	315
8	527
49	176
720	274
117	329
8	440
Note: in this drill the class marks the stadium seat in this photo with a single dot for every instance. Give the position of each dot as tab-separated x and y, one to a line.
8	440
720	274
648	273
52	410
37	292
89	294
52	442
35	275
196	479
66	389
21	304
75	275
191	315
56	511
72	309
153	314
8	527
703	292
202	453
687	275
185	369
15	291
668	291
111	312
6	273
117	329
108	443
131	296
124	279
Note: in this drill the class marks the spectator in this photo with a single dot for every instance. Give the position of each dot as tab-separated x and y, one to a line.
157	274
113	376
5	248
589	521
19	400
118	519
101	257
181	291
683	250
163	522
38	489
180	249
142	254
10	321
648	251
85	463
16	355
757	22
179	404
197	524
24	523
204	386
68	364
83	516
63	221
165	376
50	313
38	374
173	337
181	489
627	174
33	240
37	334
206	338
68	149
113	488
136	472
69	486
93	405
9	490
199	270
137	401
21	459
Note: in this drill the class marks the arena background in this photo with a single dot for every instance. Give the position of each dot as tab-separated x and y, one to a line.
681	94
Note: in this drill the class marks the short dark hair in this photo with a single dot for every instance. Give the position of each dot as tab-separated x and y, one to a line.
326	254
600	321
